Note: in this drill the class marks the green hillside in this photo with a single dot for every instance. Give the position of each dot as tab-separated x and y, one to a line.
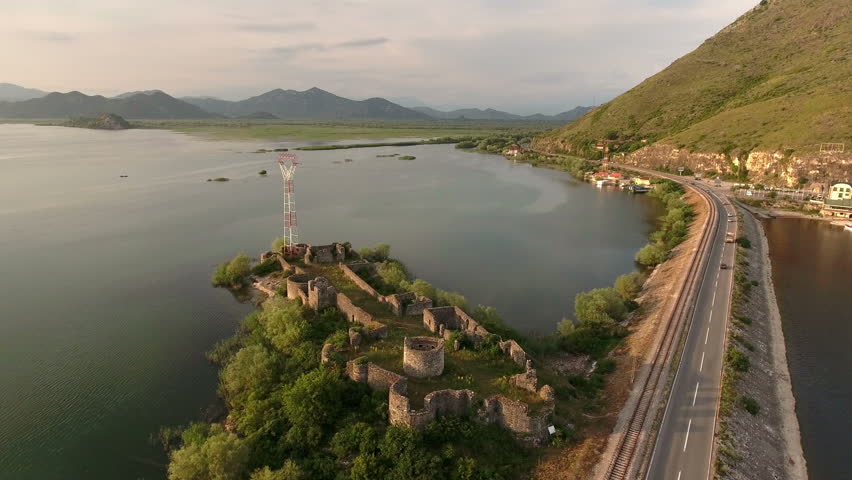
779	77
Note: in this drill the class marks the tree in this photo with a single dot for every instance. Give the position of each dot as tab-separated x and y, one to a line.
422	288
223	456
278	244
355	438
393	273
289	471
599	306
453	299
651	255
629	285
252	372
234	272
316	398
565	327
283	323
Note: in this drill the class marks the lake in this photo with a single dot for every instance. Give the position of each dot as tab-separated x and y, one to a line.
811	263
105	304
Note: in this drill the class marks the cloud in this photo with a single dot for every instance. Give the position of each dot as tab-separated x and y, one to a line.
291	50
364	42
542	55
53	37
276	27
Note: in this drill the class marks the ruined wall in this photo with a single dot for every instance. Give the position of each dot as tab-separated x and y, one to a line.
321	294
332	253
511	348
435	404
515	416
373	375
497	409
359	282
408	303
423	357
440	319
297	287
358	315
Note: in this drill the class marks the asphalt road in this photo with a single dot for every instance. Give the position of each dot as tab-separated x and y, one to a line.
684	445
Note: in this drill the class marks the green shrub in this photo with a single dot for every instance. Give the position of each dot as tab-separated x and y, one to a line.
629	285
651	255
233	273
738	360
744	242
750	405
266	267
378	253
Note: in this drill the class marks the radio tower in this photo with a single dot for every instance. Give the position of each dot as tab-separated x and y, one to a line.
287	163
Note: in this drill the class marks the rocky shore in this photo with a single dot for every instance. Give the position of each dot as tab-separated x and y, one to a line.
765	444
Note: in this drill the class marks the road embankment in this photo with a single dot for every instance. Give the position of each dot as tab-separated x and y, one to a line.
759	431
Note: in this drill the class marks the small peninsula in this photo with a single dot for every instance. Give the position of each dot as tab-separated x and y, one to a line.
108	121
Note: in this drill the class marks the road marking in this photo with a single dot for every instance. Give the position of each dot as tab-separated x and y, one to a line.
695	395
701	367
713	302
685	440
678	475
707	336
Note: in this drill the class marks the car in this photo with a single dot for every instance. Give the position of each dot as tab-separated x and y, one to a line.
730	215
725	203
731	220
724	266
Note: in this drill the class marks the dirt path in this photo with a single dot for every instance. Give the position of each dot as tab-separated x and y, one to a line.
768	444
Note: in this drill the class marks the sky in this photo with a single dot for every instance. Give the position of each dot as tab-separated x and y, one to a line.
522	56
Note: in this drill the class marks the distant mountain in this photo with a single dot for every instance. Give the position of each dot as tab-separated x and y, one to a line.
10	92
259	116
140	92
156	105
491	114
313	104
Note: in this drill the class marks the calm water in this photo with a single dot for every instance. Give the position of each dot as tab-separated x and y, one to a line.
811	263
105	303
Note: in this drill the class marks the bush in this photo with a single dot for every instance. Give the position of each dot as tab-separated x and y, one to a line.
232	274
266	267
738	360
379	253
651	255
629	285
744	242
750	405
599	306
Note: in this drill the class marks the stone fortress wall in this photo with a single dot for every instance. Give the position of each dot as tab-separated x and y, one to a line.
422	356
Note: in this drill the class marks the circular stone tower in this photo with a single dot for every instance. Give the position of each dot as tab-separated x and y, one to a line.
423	357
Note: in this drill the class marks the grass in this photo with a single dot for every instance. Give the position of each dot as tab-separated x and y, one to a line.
273	130
776	79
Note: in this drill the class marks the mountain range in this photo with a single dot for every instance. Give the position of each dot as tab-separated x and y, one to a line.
311	104
776	79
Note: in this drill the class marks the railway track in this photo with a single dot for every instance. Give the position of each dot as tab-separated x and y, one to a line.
626	452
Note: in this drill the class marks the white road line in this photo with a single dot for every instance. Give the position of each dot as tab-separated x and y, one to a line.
695	395
701	367
707	336
713	302
685	440
678	475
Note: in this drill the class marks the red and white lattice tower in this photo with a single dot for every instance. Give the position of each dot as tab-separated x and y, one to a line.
287	163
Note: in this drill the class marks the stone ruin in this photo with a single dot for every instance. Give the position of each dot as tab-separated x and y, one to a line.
442	320
319	293
530	427
423	357
332	253
407	304
401	304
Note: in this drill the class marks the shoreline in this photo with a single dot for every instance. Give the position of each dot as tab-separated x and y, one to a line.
768	441
783	386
